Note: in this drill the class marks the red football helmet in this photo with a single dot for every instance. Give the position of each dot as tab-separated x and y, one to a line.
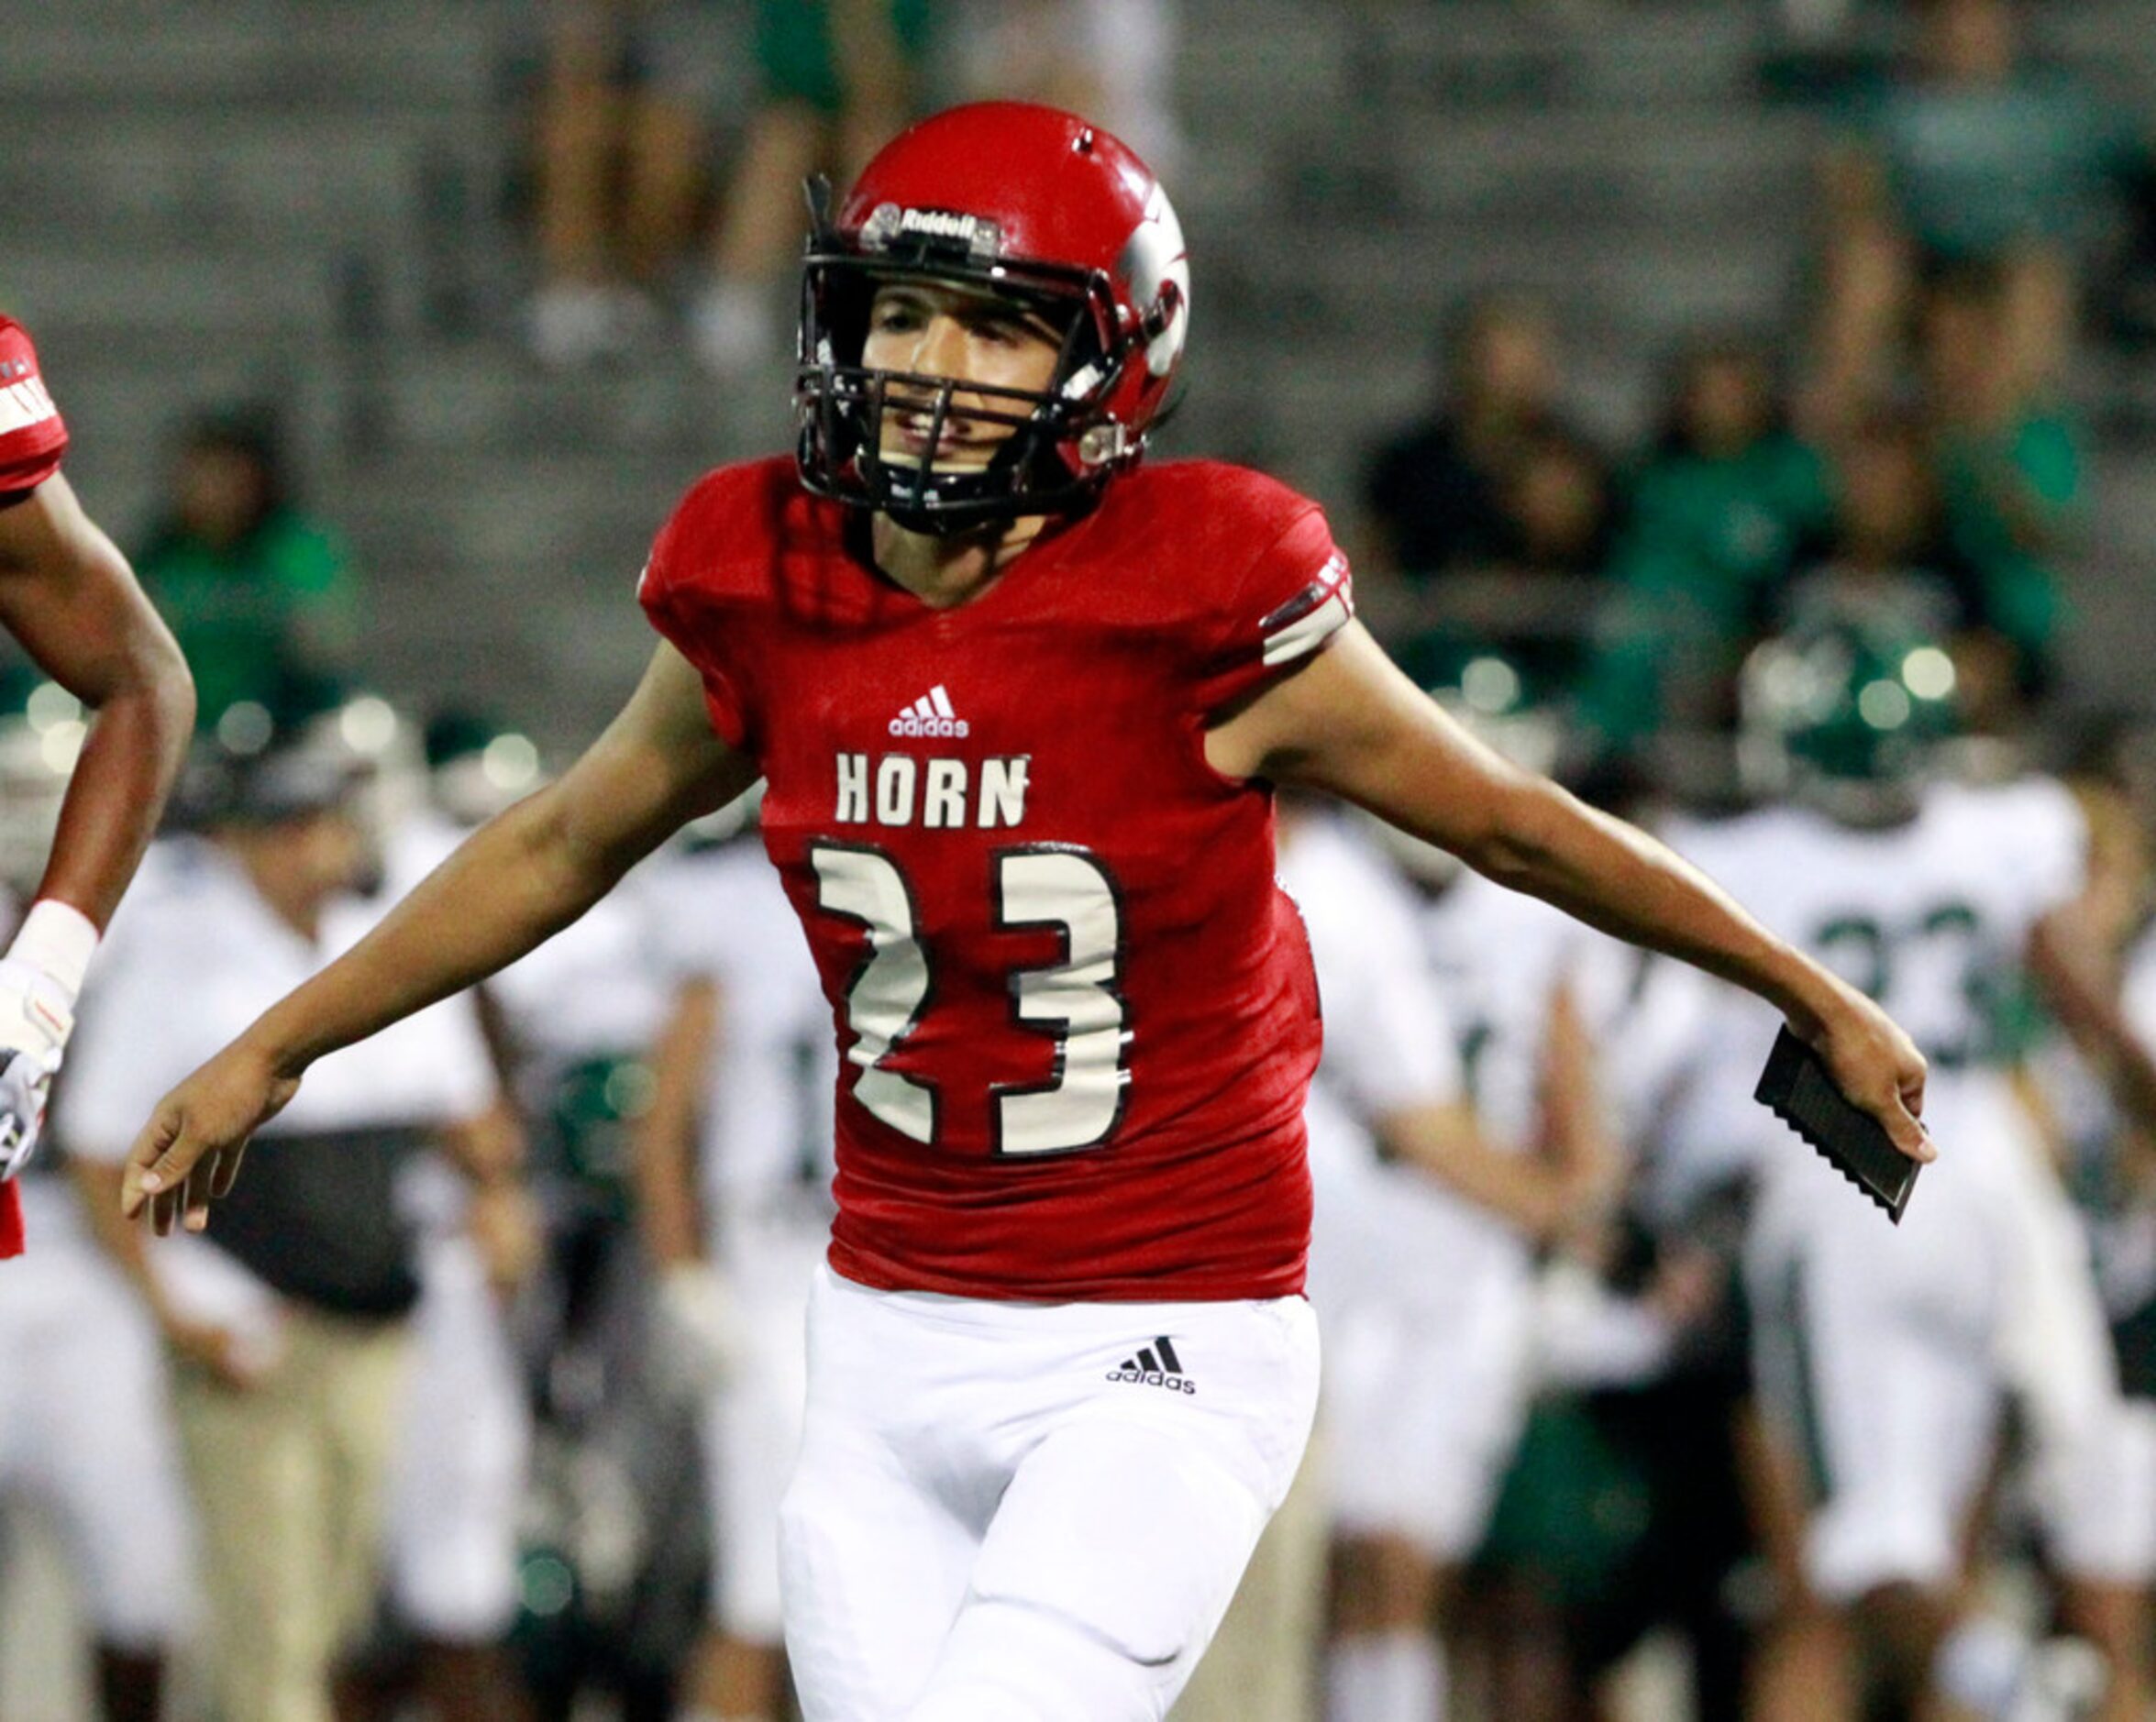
1035	205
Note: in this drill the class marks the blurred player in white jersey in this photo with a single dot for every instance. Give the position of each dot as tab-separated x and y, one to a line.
85	1414
734	1178
576	1024
1547	1023
1428	1370
1882	1354
2101	1126
459	1474
1573	1033
289	1323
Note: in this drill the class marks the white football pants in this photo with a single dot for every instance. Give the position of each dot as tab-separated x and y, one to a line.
1030	1512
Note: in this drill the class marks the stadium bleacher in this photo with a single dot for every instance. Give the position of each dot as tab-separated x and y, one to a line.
267	198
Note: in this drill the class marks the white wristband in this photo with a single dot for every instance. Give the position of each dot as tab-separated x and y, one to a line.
58	941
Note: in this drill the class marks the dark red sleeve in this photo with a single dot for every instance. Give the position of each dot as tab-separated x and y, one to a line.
11	1237
33	436
1293	598
688	619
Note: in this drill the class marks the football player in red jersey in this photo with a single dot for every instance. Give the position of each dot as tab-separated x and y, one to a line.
1019	702
71	600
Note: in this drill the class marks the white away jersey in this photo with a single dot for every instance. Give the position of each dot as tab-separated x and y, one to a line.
768	1094
1390	1040
596	988
1501	957
1383	1230
1925	916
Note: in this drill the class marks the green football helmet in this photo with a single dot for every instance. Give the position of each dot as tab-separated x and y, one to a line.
477	768
1494	692
1847	706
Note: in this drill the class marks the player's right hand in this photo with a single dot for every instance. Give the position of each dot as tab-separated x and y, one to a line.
1875	1064
189	1151
35	1020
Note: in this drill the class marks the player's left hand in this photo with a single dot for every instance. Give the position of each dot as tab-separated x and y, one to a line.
1875	1064
36	1017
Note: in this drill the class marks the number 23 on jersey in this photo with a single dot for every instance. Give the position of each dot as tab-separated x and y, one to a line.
1074	1002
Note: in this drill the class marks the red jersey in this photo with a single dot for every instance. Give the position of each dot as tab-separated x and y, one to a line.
32	436
1078	1015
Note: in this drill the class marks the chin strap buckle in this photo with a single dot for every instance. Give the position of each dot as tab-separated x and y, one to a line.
1104	443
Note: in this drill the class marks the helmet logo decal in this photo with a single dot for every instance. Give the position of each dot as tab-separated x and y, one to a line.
887	224
881	228
1158	266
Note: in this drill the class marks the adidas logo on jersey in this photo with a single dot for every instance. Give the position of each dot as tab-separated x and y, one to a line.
930	714
1156	1366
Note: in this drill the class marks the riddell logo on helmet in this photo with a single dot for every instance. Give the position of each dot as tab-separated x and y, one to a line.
890	223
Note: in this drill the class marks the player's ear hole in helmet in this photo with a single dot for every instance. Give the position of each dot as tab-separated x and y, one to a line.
1037	208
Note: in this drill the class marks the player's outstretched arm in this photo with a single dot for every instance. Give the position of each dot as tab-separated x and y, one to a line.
1348	722
69	596
513	883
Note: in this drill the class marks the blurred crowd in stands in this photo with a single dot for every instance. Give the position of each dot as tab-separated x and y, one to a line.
1908	464
1915	439
1917	430
621	183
